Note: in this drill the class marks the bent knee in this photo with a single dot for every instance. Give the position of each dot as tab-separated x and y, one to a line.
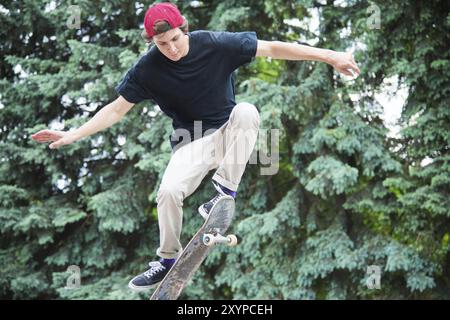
246	114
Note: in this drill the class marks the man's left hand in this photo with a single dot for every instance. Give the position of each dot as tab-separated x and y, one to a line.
344	62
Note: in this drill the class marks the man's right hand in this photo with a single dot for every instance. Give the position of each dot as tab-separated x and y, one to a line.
59	138
103	119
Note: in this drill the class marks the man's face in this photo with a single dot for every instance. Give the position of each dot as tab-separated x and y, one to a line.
174	44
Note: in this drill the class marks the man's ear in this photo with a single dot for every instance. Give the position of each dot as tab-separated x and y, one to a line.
145	36
185	26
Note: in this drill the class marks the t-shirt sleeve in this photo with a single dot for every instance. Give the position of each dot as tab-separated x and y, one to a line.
239	47
130	88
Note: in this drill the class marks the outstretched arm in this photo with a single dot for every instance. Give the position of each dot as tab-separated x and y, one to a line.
106	117
343	62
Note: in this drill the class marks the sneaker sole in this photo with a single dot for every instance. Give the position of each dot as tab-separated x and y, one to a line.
142	288
202	212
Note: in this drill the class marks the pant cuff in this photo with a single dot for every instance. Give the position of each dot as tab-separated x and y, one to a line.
168	255
225	183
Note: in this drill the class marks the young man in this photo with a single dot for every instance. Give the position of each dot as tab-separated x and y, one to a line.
190	76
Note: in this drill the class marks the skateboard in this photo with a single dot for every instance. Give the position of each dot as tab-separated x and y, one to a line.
211	233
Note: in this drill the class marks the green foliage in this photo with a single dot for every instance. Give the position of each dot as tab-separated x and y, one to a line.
347	194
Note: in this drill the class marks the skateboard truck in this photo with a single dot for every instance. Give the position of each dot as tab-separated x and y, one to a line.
210	239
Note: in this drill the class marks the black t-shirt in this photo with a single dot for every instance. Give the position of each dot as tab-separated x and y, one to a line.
198	87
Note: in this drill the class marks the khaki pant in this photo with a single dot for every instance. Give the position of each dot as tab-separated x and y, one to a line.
228	150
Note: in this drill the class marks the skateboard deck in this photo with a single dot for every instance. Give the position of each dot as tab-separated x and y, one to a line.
197	249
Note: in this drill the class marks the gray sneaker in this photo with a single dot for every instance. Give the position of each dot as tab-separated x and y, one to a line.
207	207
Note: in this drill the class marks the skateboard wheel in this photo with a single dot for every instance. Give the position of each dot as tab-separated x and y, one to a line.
208	240
232	240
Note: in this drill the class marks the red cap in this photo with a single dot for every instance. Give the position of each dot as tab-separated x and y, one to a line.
164	11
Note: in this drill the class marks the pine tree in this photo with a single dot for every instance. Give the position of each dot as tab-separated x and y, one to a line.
346	196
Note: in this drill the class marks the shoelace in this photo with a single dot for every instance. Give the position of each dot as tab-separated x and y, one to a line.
155	267
216	198
219	195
